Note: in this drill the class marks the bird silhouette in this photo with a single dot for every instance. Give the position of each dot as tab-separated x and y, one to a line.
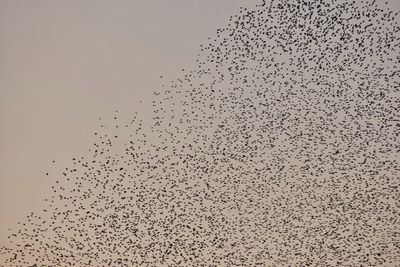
279	148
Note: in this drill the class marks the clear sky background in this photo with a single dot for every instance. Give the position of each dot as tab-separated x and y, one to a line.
65	63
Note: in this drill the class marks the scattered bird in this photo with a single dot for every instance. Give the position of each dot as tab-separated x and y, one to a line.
252	158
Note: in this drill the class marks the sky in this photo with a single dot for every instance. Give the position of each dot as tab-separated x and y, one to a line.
63	64
67	67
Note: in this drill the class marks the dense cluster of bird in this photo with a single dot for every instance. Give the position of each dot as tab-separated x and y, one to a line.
280	148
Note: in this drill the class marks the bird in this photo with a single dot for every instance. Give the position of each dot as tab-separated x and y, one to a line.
251	157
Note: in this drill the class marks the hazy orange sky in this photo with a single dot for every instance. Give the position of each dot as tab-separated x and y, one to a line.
65	63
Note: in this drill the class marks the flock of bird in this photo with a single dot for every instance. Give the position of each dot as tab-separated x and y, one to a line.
279	148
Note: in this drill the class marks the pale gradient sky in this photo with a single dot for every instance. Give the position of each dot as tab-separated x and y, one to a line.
65	63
